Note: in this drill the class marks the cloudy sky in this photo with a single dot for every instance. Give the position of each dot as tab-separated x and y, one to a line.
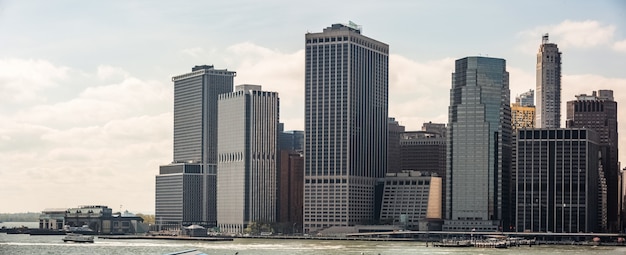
86	93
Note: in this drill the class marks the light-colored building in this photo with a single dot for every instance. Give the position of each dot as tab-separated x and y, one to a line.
479	146
247	158
346	111
52	218
522	116
548	113
186	189
411	197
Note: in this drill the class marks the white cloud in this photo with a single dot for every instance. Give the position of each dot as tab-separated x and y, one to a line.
109	138
22	79
106	72
569	34
274	71
620	46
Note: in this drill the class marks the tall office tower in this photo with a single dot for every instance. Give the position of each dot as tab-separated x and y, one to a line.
523	111
479	146
555	180
548	114
393	146
599	113
346	100
247	158
186	189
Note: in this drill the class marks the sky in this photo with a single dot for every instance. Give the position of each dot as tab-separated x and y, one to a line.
86	96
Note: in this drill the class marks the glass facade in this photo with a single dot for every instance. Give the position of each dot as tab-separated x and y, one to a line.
346	100
479	145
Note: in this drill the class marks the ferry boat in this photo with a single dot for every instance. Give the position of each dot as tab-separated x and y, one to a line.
77	238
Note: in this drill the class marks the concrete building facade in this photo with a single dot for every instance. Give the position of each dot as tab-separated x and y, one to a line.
548	107
247	145
346	111
195	145
411	197
598	112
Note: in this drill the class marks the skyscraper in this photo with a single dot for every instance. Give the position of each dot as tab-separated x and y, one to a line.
247	158
548	107
598	112
186	189
556	181
479	146
346	100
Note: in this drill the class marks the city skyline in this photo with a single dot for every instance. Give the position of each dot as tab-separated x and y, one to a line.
87	92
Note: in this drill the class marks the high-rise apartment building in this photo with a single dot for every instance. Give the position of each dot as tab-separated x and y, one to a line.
247	158
479	146
186	189
346	101
523	111
548	107
598	112
556	181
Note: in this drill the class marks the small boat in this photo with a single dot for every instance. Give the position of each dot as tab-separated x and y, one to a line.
77	238
454	243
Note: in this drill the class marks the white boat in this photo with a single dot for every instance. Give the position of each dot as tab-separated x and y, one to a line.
77	238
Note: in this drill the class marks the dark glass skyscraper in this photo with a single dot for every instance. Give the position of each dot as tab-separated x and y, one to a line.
346	97
556	181
186	189
479	146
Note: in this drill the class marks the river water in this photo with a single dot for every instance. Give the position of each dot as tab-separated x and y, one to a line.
18	244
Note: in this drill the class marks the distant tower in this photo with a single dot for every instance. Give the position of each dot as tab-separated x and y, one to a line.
523	111
186	188
247	158
345	122
548	107
598	112
479	146
393	146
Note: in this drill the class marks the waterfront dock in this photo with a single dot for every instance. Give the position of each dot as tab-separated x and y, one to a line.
179	238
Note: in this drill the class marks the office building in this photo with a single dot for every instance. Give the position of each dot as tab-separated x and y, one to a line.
555	180
523	111
548	107
290	191
393	146
247	158
291	140
598	112
346	105
186	189
479	146
411	197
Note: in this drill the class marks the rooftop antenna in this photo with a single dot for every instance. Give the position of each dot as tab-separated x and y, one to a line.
544	39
